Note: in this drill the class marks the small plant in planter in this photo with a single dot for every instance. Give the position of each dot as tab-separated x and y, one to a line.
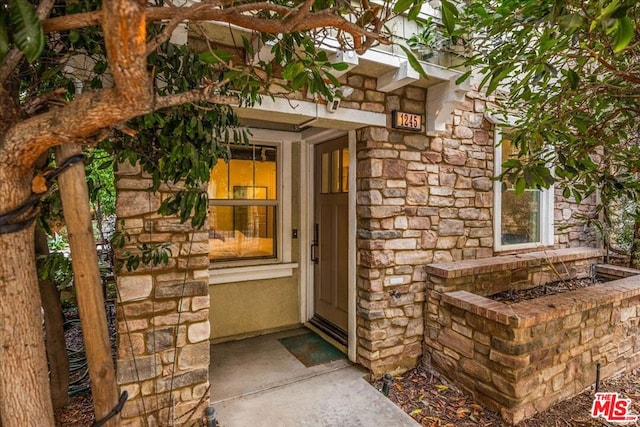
427	42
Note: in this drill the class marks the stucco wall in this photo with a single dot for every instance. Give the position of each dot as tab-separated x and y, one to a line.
248	308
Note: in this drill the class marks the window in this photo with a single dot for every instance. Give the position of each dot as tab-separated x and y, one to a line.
335	171
524	220
244	204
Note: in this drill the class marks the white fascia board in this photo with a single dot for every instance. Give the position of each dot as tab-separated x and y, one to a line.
435	71
267	135
296	112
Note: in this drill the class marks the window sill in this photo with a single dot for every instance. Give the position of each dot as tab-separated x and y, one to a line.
254	272
521	247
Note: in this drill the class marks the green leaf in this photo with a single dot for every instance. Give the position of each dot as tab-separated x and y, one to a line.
623	34
449	15
215	57
574	78
414	11
292	70
4	37
571	22
299	81
26	28
463	77
402	5
497	78
334	81
339	66
413	61
74	36
577	195
521	184
610	9
511	163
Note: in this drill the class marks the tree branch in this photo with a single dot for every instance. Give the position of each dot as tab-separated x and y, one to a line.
301	11
84	116
124	27
614	70
195	96
233	15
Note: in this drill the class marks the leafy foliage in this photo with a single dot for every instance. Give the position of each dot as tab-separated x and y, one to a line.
178	146
569	73
20	26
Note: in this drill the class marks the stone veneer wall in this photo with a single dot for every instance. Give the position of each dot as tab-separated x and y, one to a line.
163	313
421	198
521	358
569	222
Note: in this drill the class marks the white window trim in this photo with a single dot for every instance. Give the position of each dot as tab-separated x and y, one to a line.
254	272
546	205
230	271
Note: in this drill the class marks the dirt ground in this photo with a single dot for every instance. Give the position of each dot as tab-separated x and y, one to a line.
433	402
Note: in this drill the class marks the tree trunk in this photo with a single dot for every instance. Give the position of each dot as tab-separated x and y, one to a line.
54	324
25	399
634	256
84	260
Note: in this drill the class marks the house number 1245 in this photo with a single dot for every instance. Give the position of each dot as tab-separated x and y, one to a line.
408	121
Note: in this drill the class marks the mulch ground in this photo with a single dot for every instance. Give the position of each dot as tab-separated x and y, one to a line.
79	411
514	296
433	402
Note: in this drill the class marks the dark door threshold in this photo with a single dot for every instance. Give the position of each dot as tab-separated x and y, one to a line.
330	329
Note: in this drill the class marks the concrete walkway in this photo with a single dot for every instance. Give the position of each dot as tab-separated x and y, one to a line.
257	382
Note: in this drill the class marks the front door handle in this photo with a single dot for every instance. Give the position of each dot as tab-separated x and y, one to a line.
314	244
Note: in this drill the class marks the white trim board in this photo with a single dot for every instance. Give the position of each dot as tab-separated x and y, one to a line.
311	114
307	173
250	272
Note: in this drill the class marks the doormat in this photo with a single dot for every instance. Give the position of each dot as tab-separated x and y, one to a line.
311	350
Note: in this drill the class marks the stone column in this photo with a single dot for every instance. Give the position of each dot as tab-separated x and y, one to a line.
421	198
163	311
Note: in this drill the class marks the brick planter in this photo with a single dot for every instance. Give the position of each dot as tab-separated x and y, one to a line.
520	359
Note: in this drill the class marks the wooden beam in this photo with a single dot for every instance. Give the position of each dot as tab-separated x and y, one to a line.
349	57
442	99
400	77
86	279
262	51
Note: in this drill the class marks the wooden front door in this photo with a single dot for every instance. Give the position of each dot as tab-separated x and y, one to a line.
330	249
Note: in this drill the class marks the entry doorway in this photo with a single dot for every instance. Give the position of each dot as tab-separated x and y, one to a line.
330	240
